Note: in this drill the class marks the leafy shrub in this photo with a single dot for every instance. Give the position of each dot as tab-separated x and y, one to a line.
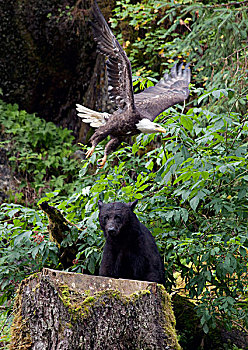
39	152
213	37
25	246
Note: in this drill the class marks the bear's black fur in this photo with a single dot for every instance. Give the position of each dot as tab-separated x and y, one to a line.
130	250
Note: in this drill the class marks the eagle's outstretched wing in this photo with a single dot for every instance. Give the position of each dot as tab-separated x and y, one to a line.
172	89
120	85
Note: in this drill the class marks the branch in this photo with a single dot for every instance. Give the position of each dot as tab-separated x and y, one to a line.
229	4
240	326
59	229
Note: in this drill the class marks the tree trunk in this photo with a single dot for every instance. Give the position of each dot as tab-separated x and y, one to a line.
62	310
48	60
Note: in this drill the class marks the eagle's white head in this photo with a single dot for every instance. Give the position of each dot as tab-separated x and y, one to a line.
148	127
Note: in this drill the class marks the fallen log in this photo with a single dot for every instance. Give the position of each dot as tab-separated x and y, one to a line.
69	311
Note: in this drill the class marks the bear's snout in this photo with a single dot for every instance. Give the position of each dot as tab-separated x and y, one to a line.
112	231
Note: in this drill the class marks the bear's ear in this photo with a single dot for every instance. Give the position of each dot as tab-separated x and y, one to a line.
132	205
100	203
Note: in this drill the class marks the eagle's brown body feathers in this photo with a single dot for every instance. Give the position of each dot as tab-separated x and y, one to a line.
135	112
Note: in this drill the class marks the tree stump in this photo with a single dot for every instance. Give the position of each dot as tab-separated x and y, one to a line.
62	310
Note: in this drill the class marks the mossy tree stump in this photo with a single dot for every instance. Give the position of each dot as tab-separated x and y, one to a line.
62	310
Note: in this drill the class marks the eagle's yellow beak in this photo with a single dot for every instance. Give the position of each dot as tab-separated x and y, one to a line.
161	129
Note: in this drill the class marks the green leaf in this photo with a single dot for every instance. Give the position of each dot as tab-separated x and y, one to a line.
183	177
12	212
135	148
35	251
44	199
187	122
243	251
205	328
194	202
184	214
91	266
23	236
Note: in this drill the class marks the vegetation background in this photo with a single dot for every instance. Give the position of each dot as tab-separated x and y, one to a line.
191	184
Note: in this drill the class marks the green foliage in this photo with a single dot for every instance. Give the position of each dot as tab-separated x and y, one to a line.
39	152
5	323
25	249
25	246
212	37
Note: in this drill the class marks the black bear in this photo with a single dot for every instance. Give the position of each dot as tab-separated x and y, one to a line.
130	250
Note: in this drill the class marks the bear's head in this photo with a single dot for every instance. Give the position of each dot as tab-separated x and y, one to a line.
114	216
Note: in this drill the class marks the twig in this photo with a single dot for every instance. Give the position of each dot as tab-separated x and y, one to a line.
216	5
229	4
72	224
239	132
235	52
240	326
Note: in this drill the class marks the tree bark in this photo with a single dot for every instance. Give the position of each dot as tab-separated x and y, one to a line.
62	310
48	60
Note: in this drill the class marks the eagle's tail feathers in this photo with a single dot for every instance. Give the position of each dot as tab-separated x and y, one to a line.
95	119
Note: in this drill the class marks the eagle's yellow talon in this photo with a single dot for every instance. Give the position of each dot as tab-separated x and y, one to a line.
102	161
90	152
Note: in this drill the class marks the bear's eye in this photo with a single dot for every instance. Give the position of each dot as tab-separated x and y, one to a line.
105	219
117	218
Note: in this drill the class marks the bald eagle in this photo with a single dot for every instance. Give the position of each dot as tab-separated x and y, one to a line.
135	112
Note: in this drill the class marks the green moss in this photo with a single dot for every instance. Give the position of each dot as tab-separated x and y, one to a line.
82	308
188	323
69	325
137	295
170	322
37	286
73	300
65	295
